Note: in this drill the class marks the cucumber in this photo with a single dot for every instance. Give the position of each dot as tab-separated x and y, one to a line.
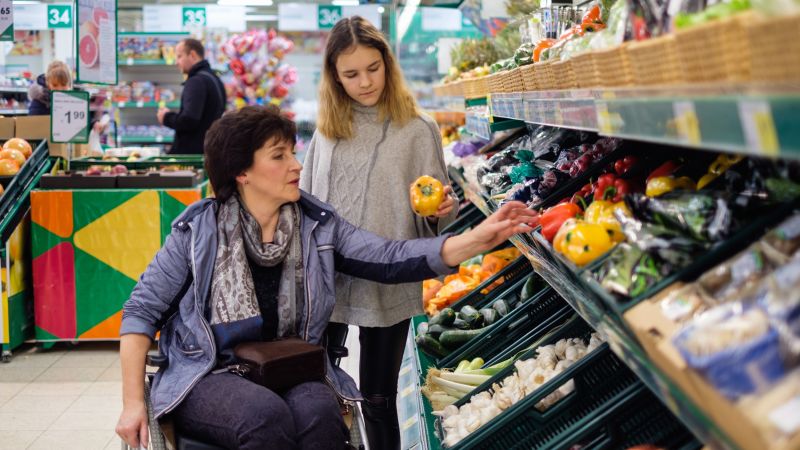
501	306
453	339
467	310
460	324
436	330
422	328
490	316
532	287
445	317
431	346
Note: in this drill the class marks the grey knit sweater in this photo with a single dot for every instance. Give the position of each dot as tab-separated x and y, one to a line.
366	179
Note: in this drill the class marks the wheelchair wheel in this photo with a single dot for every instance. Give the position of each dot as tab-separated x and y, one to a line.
157	441
358	433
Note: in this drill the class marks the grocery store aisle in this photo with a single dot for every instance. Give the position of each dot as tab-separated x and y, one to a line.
70	397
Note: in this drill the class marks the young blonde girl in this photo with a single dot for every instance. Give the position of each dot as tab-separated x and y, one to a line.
371	143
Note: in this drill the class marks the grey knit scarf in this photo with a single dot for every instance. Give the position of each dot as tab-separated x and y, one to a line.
233	295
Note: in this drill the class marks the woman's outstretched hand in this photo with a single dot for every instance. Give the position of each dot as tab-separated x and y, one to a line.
510	219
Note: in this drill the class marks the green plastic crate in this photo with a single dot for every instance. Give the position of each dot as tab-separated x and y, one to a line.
532	315
638	419
600	380
466	219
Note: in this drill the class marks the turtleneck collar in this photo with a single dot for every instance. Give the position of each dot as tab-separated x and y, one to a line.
366	110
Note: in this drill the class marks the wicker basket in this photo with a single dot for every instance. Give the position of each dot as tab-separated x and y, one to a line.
528	80
563	75
493	82
585	70
500	81
543	75
613	67
481	87
513	81
715	51
775	44
655	61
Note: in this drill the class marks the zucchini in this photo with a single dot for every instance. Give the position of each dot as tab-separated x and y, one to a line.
436	330
501	306
490	316
422	328
460	324
453	339
431	346
474	321
532	287
467	310
445	317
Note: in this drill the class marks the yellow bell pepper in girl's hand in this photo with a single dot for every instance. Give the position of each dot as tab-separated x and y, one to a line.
601	212
427	193
582	242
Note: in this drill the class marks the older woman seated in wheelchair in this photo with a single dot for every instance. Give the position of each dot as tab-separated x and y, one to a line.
257	263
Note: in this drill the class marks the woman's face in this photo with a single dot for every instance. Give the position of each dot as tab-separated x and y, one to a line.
275	173
362	73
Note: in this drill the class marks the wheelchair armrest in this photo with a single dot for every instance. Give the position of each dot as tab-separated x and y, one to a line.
156	359
337	351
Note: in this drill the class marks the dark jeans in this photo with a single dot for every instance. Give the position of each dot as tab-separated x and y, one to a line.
230	411
379	367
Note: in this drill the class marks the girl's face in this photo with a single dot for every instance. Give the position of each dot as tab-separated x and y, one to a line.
362	74
275	173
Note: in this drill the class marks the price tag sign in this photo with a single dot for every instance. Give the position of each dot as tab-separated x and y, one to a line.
194	16
687	122
328	15
69	117
6	20
59	16
759	127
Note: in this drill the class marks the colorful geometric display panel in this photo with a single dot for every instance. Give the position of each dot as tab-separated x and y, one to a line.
89	249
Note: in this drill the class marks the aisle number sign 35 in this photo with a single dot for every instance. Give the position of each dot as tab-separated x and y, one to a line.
194	16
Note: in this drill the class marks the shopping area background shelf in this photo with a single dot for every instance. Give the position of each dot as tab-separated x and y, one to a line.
746	119
175	104
146	139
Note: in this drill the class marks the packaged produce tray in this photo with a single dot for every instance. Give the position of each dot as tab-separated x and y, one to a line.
638	419
600	381
528	319
195	161
77	180
514	276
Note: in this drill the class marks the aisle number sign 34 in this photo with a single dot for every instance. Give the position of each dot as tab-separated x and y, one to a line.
69	117
6	21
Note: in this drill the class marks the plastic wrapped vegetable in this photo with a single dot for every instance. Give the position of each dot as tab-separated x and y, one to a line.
629	272
700	215
670	245
582	242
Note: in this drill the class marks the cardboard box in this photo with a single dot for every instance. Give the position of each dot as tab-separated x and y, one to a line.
7	127
33	127
655	332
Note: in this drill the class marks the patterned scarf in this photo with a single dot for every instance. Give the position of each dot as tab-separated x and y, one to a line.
233	295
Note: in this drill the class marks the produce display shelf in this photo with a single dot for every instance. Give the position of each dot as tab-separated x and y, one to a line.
13	89
621	341
141	104
143	62
749	119
146	139
483	126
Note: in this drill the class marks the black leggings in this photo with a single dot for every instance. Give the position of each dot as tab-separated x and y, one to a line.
379	367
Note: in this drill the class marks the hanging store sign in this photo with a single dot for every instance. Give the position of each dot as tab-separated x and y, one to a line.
97	41
303	17
6	20
42	16
69	117
177	18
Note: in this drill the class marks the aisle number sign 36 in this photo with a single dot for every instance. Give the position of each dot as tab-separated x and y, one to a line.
6	21
69	117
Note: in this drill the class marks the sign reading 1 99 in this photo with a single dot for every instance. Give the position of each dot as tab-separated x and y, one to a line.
77	115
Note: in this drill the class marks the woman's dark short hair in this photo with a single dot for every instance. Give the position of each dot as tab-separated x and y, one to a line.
234	138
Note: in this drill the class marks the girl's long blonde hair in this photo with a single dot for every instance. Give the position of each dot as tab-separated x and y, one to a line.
335	119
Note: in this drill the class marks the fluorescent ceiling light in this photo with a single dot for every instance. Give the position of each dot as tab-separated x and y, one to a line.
381	10
27	2
261	17
244	2
345	2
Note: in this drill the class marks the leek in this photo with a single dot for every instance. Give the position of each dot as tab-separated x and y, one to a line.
465	378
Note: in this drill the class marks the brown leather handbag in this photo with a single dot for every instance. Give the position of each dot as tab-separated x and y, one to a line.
280	364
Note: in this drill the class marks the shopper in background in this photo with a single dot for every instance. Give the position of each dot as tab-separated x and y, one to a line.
371	143
202	99
255	263
57	78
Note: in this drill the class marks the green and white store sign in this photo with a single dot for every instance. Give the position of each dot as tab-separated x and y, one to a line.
41	16
6	20
69	117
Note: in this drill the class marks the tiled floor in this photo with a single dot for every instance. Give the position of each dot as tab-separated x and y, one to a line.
70	397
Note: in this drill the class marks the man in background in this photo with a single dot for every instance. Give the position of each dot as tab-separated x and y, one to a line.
202	99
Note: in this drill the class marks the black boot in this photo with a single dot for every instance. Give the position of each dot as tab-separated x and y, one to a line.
380	419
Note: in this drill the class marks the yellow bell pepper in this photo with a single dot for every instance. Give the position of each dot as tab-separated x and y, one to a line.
427	193
723	162
661	185
601	212
705	180
582	242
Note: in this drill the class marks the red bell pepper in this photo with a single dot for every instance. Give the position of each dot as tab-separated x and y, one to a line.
609	187
552	218
622	166
580	197
665	170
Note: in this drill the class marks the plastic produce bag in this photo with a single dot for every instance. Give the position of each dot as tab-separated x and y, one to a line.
701	216
629	272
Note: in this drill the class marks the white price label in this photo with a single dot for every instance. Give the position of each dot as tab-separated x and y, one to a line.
759	127
687	122
159	138
140	104
6	20
69	116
